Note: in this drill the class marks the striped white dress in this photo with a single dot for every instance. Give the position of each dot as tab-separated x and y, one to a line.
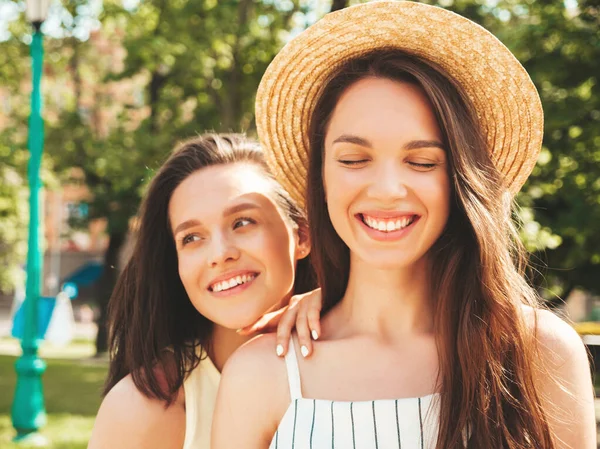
409	423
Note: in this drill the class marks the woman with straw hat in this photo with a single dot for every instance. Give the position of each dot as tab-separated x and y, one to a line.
406	130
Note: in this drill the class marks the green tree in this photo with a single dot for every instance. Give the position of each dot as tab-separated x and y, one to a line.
13	217
14	109
197	65
560	47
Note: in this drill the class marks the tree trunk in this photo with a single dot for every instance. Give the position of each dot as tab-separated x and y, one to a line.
338	4
106	285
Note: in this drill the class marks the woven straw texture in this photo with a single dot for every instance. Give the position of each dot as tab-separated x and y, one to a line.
506	101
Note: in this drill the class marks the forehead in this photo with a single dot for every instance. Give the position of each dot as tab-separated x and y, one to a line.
211	189
384	107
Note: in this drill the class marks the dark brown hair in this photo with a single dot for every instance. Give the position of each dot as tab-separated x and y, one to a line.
150	310
486	348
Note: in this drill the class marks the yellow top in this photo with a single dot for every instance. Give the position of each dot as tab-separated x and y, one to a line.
200	398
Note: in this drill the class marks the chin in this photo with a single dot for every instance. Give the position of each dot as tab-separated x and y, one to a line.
239	321
388	261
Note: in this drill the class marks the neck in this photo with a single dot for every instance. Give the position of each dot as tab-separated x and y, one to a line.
389	303
223	343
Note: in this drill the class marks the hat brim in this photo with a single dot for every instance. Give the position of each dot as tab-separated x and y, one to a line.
501	91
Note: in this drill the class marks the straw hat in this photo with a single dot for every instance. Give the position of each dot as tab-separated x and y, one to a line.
506	101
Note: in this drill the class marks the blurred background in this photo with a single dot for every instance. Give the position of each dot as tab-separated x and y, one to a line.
124	80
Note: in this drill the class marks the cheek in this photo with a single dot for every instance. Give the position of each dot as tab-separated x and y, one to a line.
190	270
436	196
275	248
340	182
342	188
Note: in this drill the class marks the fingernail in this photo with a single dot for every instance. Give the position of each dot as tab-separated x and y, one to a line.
304	351
237	331
279	350
314	334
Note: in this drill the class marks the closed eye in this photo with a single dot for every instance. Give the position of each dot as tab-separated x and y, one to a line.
242	222
351	163
422	166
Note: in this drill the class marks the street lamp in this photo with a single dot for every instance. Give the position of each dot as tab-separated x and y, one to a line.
28	411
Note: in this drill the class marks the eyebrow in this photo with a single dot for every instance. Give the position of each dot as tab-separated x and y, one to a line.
417	144
412	145
185	225
229	211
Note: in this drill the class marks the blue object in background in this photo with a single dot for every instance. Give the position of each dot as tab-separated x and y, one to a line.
86	275
70	289
46	306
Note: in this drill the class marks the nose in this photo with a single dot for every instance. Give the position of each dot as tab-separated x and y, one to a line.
388	183
221	251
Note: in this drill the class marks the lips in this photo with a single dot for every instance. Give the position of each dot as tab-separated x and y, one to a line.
387	226
232	280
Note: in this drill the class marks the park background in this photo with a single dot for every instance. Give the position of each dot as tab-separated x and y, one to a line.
124	80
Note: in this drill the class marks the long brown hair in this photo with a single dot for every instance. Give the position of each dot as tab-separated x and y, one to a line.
486	348
149	309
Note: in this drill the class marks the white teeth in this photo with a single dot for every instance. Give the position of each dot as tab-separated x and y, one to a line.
233	282
387	226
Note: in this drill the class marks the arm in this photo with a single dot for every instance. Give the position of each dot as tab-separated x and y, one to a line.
565	384
253	397
128	419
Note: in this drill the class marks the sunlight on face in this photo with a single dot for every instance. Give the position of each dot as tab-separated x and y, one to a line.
385	173
236	250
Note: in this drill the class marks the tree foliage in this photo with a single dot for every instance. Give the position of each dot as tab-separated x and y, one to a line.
560	47
164	70
190	66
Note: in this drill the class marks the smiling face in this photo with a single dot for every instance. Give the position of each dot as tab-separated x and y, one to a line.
385	173
236	250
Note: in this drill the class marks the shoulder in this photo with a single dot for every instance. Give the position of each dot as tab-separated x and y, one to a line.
253	396
558	342
563	380
127	418
255	369
259	349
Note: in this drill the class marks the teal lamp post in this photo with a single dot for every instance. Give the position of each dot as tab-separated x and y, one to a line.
28	411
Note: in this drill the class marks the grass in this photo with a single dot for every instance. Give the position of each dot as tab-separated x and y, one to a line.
72	396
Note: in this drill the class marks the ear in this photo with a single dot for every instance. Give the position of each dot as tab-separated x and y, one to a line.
302	242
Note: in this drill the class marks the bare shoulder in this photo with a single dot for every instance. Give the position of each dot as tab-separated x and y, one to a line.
253	396
563	380
260	348
255	365
127	418
558	341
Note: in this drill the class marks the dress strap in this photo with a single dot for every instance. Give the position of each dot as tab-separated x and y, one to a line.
293	372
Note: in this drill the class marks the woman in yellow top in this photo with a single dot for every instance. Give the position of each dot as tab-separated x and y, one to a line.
220	243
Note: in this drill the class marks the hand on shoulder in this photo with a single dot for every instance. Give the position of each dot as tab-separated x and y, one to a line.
128	419
564	381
